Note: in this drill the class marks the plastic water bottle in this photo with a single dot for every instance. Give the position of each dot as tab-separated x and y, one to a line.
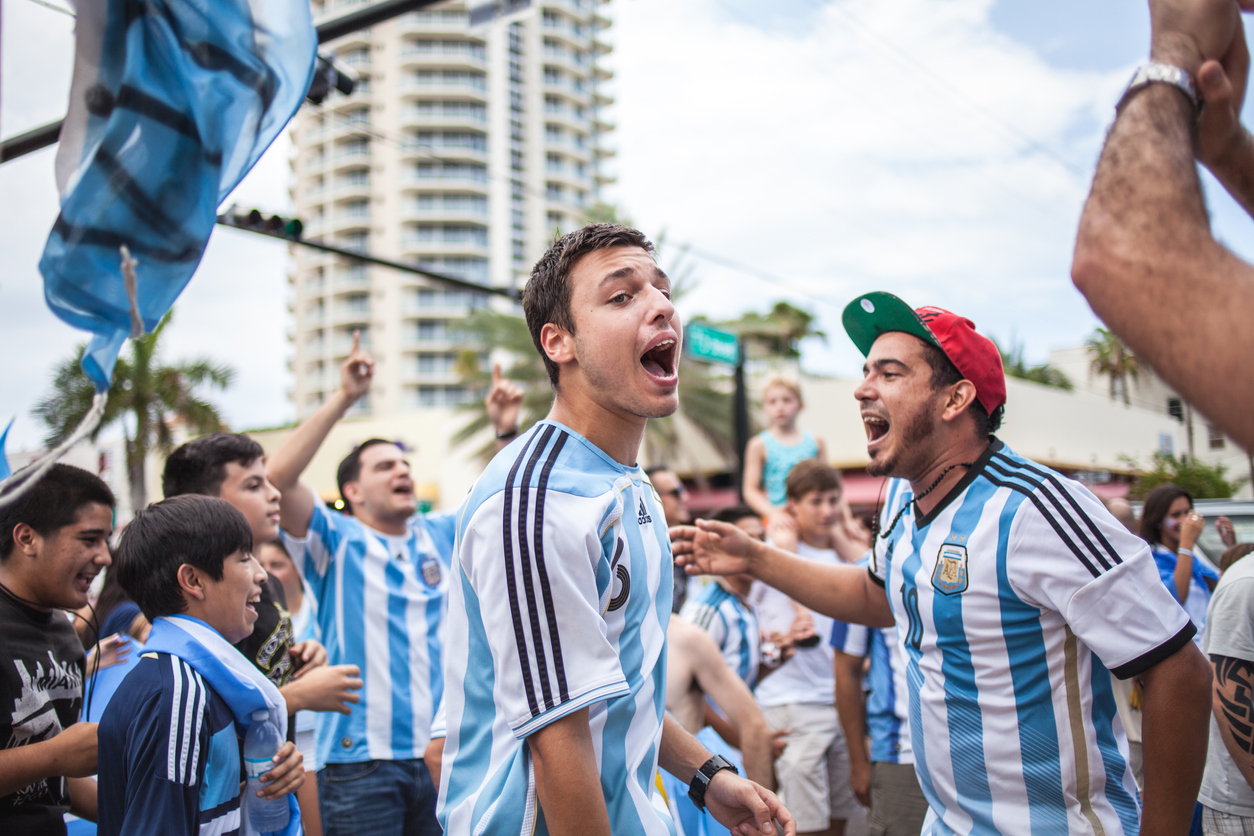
261	743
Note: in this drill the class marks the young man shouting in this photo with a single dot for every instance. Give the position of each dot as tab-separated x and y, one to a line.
1014	592
561	589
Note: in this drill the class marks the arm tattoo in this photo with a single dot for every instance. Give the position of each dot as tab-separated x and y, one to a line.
1237	676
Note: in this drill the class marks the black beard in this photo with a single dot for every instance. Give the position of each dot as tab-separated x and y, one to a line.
916	431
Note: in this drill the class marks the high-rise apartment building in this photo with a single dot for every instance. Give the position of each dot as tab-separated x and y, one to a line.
462	149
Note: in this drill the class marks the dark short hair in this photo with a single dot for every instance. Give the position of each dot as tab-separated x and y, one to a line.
811	475
53	502
350	469
1157	503
734	514
1234	553
201	531
199	466
945	373
546	298
658	468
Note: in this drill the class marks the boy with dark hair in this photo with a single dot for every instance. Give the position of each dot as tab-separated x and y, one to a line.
561	595
169	741
53	543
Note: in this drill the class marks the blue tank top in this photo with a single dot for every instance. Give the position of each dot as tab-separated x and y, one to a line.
780	460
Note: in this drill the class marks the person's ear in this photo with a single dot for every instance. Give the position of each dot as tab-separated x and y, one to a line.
27	540
191	581
960	398
558	343
352	492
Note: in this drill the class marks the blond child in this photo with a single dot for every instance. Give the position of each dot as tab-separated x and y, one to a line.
771	454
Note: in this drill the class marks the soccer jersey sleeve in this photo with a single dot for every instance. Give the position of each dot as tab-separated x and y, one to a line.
708	618
313	552
1067	553
1230	620
854	639
533	562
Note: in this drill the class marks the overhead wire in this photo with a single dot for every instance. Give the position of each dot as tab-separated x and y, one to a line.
54	7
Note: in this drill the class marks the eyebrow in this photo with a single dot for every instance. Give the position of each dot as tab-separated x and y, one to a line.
95	532
627	272
879	364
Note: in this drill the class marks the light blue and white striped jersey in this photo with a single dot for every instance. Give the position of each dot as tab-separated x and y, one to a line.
560	599
733	625
888	695
1013	597
381	602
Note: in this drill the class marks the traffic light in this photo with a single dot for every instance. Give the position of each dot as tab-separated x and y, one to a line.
275	225
328	75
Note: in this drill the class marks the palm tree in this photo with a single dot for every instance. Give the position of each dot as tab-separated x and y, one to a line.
1016	366
779	332
1110	357
145	398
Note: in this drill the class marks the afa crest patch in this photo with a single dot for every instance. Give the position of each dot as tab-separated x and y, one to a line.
431	574
950	575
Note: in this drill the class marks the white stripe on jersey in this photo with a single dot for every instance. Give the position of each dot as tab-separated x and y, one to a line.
174	768
202	697
227	823
1008	596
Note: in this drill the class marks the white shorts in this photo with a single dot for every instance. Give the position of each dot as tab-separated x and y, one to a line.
813	771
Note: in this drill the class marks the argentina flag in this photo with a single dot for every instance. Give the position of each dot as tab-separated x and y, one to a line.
171	104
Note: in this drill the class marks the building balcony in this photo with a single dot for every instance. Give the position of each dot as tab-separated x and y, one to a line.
351	158
581	97
458	90
413	249
418	151
346	191
361	97
569	178
447	182
342	284
579	9
419	23
473	216
566	61
580	153
574	36
342	344
459	59
601	47
567	118
601	73
412	118
351	316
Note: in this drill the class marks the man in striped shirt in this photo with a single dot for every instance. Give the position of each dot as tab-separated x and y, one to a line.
1013	592
561	588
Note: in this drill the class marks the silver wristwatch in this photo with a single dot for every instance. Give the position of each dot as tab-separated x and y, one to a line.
1147	74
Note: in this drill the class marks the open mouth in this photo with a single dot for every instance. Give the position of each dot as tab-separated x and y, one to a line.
876	428
659	360
405	490
83	581
251	606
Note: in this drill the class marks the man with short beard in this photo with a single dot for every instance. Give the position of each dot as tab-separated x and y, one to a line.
1013	591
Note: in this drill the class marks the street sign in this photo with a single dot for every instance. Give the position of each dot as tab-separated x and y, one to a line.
711	344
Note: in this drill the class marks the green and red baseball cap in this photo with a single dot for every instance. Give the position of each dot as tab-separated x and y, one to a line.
975	356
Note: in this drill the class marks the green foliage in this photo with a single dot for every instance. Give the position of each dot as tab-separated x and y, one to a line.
145	398
1016	366
1110	358
1202	480
778	333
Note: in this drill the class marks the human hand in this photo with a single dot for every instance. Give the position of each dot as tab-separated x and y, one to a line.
357	372
1222	83
782	530
307	655
712	548
1191	528
860	781
779	742
802	626
1226	532
744	807
288	774
76	751
325	688
108	652
503	402
1185	33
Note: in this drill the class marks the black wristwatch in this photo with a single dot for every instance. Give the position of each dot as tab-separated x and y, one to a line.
701	781
507	435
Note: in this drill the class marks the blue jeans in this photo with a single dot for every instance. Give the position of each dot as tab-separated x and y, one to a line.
381	798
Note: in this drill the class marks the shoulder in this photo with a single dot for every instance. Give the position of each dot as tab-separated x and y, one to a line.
757	444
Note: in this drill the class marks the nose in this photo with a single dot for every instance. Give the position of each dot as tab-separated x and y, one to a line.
273	494
865	391
259	572
664	309
103	558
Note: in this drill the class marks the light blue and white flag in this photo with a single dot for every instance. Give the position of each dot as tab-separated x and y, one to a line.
171	104
5	470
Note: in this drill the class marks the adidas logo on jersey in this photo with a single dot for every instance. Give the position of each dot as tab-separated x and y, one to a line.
643	517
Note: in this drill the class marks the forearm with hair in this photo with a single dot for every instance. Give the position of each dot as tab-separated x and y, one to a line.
842	592
1151	269
294	455
1233	707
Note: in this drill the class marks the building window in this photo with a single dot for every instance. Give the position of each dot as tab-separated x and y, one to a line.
1175	408
1216	437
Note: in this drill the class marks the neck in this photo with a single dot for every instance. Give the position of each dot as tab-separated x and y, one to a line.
616	434
295	598
394	526
739	585
16	583
785	429
951	457
821	539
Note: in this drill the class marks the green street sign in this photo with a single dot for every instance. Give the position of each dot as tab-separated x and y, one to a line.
711	344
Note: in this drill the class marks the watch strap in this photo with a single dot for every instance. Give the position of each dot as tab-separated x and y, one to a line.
701	781
1155	71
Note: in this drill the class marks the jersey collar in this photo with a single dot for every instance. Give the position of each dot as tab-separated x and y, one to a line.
956	491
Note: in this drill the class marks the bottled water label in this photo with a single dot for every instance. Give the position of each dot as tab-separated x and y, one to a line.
256	767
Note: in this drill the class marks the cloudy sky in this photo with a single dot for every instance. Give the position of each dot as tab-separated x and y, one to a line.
806	150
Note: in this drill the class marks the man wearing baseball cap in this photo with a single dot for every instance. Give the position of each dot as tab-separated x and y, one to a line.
1014	593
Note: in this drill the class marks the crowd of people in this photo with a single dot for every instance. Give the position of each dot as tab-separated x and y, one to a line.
569	652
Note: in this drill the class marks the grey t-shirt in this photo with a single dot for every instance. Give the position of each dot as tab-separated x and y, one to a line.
1229	632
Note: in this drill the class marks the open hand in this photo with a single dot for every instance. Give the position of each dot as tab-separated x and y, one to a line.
325	688
357	372
503	402
745	808
108	652
307	655
711	548
1227	533
1191	527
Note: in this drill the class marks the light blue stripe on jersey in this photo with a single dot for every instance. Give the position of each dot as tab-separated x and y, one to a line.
737	647
1104	713
398	658
349	598
1029	672
883	720
962	695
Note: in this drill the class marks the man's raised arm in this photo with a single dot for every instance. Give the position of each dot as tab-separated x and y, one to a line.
1145	257
290	460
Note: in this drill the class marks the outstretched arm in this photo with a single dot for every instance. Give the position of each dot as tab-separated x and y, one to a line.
846	593
1145	244
1224	145
1174	725
290	460
751	487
